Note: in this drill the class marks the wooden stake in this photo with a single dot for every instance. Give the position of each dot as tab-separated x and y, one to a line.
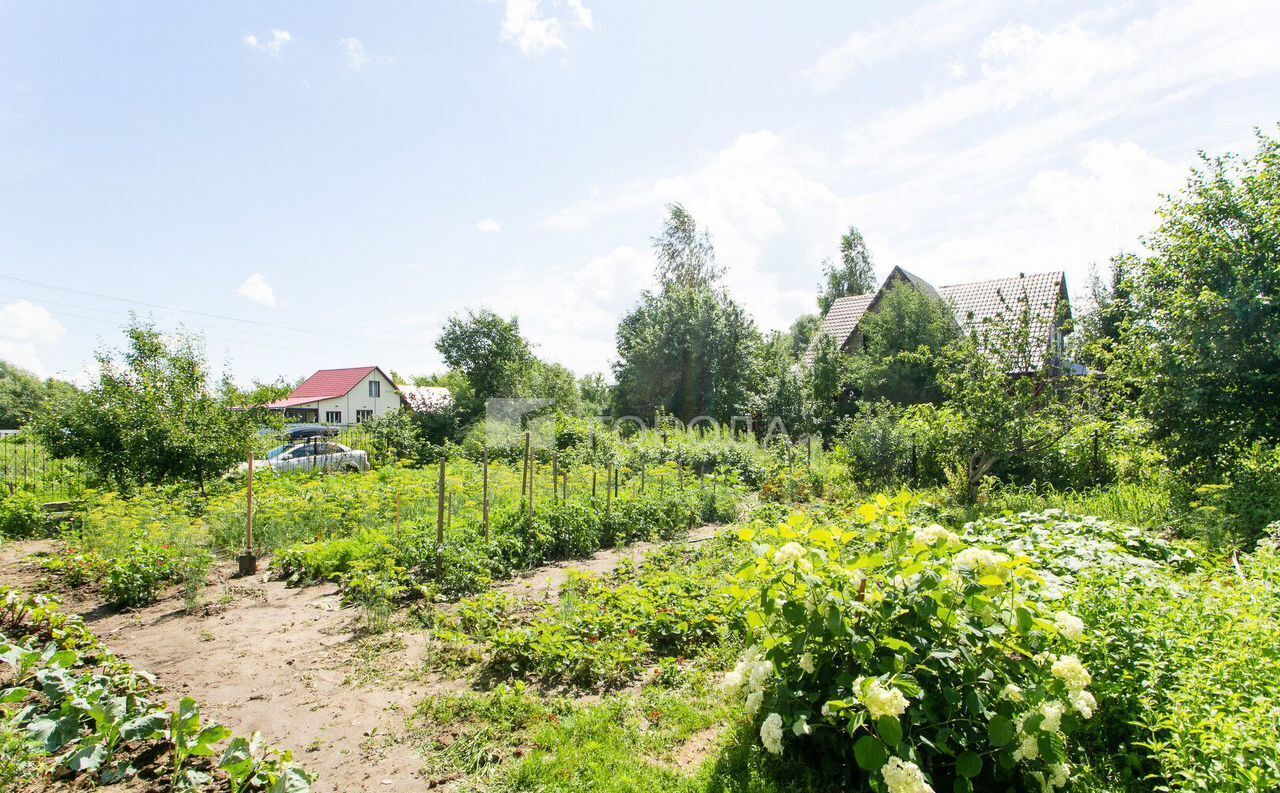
486	494
555	475
593	482
249	509
440	519
524	471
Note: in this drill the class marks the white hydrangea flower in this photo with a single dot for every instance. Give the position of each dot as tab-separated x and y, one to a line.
1052	712
1059	774
732	680
979	560
771	733
903	776
1069	625
1012	692
826	710
1027	749
1083	702
1069	670
754	700
791	552
882	701
806	663
932	535
801	727
760	671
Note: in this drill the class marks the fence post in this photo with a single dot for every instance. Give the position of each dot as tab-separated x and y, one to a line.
485	506
608	491
524	466
440	520
555	475
593	482
533	472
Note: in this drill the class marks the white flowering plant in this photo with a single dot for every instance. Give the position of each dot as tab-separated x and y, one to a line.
905	658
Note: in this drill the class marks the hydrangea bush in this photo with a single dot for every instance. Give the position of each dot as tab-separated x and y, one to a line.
909	658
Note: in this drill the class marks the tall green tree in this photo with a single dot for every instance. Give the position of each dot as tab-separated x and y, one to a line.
23	394
853	275
903	338
687	349
1200	339
151	416
489	352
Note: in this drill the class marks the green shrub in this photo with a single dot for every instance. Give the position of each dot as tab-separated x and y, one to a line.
21	516
1249	499
136	580
909	654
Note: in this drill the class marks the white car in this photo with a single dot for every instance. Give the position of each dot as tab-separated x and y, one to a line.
315	455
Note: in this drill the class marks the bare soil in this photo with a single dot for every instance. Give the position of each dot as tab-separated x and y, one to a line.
290	663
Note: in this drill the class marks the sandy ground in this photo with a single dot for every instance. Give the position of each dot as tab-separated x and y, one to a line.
287	662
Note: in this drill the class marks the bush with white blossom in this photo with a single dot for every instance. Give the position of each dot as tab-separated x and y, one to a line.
926	662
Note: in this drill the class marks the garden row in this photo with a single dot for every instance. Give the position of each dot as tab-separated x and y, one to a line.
71	710
877	650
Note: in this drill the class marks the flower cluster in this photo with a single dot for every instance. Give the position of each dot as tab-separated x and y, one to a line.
979	560
902	776
1070	626
751	672
933	534
880	700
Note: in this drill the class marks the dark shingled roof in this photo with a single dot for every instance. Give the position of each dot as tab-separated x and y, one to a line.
973	303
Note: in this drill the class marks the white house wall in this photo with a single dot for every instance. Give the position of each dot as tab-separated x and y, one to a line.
358	399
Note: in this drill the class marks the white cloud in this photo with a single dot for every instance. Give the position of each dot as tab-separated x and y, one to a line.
356	58
278	39
930	26
533	31
255	289
488	226
24	327
770	219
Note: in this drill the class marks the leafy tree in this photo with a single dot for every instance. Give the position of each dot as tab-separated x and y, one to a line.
687	349
785	391
1002	402
489	352
22	394
800	335
686	257
595	393
1200	344
151	416
854	275
902	340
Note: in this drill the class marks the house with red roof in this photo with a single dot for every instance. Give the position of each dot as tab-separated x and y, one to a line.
341	396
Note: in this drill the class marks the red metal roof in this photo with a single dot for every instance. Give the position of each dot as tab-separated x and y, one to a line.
327	384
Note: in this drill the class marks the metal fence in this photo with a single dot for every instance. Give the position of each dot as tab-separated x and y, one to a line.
26	466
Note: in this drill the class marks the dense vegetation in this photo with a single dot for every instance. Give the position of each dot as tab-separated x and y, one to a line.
961	560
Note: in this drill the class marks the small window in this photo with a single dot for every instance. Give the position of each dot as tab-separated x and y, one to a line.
375	388
363	415
333	416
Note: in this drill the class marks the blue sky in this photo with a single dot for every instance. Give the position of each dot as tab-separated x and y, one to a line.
344	176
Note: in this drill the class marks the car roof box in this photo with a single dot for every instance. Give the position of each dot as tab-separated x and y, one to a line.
301	432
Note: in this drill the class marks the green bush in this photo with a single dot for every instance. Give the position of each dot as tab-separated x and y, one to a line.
136	580
1241	508
21	516
909	654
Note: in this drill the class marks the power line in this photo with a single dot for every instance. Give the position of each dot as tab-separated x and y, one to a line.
101	296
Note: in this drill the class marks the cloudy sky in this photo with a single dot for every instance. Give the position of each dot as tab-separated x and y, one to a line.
321	184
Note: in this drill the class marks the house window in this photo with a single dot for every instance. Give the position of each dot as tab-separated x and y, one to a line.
333	416
363	415
375	388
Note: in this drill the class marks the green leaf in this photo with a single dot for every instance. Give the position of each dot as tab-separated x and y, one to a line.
889	729
292	780
897	645
145	727
992	581
968	764
870	753
86	758
53	733
208	738
10	695
1000	731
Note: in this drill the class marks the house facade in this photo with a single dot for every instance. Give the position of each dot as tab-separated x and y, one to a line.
1043	296
341	396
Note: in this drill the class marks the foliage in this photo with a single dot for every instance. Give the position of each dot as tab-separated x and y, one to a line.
909	653
489	351
21	515
687	350
854	275
23	395
150	417
1248	499
81	712
1200	344
903	338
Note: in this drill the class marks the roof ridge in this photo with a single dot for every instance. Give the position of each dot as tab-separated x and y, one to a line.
1060	273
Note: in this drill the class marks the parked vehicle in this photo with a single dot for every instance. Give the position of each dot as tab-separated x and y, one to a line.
311	455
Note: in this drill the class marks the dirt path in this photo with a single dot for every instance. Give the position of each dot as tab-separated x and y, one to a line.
544	583
287	662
